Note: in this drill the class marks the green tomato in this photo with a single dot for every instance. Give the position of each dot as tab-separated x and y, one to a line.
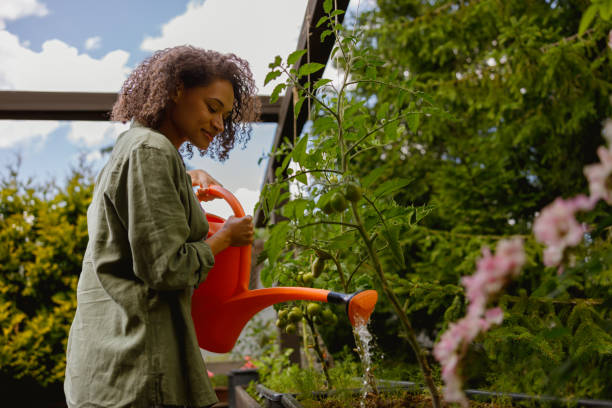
290	328
353	192
295	315
282	314
308	278
338	202
317	267
279	323
328	316
313	309
327	208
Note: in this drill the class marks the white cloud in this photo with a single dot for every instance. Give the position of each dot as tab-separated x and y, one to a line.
95	134
58	67
257	33
93	43
93	157
247	198
16	132
15	9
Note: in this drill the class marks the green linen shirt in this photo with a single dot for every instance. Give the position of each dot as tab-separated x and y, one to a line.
132	342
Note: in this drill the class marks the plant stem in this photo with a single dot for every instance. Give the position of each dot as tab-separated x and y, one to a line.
346	224
330	256
420	353
308	171
305	346
319	351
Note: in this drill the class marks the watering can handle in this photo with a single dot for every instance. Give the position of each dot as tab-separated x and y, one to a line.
231	199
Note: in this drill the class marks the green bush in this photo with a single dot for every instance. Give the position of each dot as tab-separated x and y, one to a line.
43	235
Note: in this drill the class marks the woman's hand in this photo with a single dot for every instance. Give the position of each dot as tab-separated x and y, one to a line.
239	230
202	179
235	232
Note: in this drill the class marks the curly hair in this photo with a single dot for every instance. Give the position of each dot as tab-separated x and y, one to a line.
147	92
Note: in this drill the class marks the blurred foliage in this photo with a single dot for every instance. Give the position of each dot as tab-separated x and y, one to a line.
528	96
471	116
43	235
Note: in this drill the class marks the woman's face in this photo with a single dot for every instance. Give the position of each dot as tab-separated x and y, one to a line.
199	113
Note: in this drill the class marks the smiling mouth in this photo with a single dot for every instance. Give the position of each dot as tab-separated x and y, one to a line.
208	135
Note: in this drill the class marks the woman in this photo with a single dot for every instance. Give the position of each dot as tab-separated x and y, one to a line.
132	342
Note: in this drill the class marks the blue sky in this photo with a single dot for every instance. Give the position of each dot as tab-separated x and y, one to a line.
92	45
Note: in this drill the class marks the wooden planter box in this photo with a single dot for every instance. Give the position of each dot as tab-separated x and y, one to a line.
243	399
284	400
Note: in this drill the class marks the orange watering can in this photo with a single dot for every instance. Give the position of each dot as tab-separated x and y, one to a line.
223	304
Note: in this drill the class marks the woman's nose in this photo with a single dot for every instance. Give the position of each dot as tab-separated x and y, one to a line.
217	123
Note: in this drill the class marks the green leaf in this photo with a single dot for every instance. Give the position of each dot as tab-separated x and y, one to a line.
272	75
343	241
322	20
310	68
391	130
276	92
295	209
295	56
389	187
372	176
324	123
327	6
413	120
302	178
321	82
605	10
299	151
383	111
298	107
391	234
587	18
336	13
277	241
371	72
277	61
325	34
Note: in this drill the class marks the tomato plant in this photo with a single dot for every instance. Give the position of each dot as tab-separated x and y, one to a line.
332	215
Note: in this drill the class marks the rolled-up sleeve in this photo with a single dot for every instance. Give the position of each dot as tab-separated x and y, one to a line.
158	227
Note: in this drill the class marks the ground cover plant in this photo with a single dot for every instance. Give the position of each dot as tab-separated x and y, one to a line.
456	134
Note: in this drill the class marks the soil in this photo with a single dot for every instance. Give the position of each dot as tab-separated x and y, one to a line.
400	400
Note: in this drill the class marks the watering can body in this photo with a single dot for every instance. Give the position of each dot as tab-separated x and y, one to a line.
223	304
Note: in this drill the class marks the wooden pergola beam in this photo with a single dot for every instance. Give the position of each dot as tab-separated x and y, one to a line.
26	105
310	37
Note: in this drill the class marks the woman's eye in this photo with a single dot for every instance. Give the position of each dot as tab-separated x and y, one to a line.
211	109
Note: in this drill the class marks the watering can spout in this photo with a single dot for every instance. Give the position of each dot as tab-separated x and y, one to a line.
222	305
359	305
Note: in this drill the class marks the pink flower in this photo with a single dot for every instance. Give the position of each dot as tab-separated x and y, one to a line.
511	255
493	316
492	274
248	363
599	176
210	373
557	227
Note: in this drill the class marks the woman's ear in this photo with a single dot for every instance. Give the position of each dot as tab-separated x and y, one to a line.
178	92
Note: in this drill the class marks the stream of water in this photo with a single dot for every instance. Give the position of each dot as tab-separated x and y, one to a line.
364	346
